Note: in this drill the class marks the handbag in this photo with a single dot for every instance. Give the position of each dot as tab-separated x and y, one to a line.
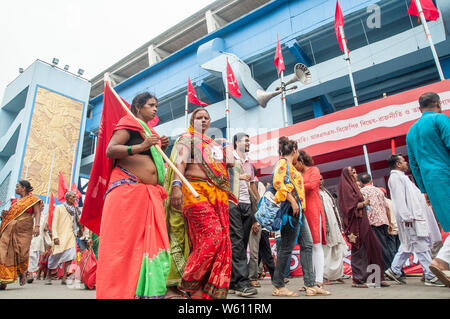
88	268
270	214
253	199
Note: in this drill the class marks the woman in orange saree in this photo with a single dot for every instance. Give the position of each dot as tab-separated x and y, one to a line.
133	253
202	161
16	232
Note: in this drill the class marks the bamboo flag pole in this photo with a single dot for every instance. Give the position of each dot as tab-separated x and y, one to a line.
50	178
186	112
168	161
73	164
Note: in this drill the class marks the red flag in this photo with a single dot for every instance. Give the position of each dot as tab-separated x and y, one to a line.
279	62
339	21
102	166
233	87
51	208
74	188
429	10
62	187
192	96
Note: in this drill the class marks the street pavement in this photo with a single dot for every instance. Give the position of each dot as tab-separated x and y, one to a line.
414	289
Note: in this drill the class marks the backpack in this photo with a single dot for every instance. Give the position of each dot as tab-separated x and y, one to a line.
271	215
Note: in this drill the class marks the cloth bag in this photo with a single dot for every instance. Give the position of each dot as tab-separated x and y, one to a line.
270	214
88	268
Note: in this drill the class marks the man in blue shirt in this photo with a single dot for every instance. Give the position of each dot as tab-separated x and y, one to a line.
428	142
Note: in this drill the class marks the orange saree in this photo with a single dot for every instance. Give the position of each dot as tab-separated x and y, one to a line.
16	232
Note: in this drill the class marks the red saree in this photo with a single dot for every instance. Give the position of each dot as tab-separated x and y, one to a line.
208	266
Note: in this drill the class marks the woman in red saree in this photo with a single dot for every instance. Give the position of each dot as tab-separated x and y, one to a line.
16	232
366	249
133	253
202	161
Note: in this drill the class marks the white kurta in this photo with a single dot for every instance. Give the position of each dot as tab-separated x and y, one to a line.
409	206
62	228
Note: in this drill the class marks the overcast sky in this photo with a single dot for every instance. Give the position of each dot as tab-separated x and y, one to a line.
87	34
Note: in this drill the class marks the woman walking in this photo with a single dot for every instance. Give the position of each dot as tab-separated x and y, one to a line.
16	232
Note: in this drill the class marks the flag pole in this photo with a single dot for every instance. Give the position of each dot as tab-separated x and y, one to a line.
227	111
26	171
164	156
347	58
50	178
73	163
430	40
186	110
283	99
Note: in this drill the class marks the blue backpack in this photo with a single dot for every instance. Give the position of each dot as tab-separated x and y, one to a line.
271	215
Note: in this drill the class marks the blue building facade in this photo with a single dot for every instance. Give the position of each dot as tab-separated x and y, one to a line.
388	50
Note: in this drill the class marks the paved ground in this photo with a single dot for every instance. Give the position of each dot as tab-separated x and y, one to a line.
414	289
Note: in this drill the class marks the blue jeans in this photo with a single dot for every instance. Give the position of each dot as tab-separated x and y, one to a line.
287	242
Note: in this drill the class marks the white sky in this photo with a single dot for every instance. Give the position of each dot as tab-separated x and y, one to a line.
87	34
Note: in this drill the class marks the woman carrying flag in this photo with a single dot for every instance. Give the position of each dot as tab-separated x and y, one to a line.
133	254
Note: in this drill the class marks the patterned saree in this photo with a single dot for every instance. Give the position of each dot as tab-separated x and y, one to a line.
209	264
16	232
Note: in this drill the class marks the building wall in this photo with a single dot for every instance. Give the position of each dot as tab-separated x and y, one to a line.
49	91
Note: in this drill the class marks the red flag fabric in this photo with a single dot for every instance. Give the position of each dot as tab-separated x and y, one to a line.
51	208
339	21
192	96
74	188
62	187
101	168
429	9
233	87
279	61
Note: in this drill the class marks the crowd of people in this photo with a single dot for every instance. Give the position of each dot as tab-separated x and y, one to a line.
161	239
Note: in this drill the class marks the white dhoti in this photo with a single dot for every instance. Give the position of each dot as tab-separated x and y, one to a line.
33	262
56	260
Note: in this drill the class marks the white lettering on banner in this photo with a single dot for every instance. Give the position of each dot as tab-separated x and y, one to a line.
389	116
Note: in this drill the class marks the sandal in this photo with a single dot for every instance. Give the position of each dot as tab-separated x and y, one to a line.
442	275
2	286
320	291
309	291
384	284
356	285
283	292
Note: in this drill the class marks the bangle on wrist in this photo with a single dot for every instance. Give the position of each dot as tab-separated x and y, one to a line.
176	183
129	150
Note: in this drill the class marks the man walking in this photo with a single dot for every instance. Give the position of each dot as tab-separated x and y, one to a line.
428	142
64	230
241	216
379	218
413	227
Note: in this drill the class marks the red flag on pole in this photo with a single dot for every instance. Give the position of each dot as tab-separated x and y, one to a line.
74	188
102	166
62	187
279	62
233	87
429	9
192	96
338	22
51	208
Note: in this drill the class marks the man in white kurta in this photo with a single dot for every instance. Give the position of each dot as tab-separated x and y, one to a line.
334	250
413	224
64	228
38	246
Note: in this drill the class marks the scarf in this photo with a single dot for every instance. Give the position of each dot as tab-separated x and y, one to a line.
210	157
74	212
129	123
